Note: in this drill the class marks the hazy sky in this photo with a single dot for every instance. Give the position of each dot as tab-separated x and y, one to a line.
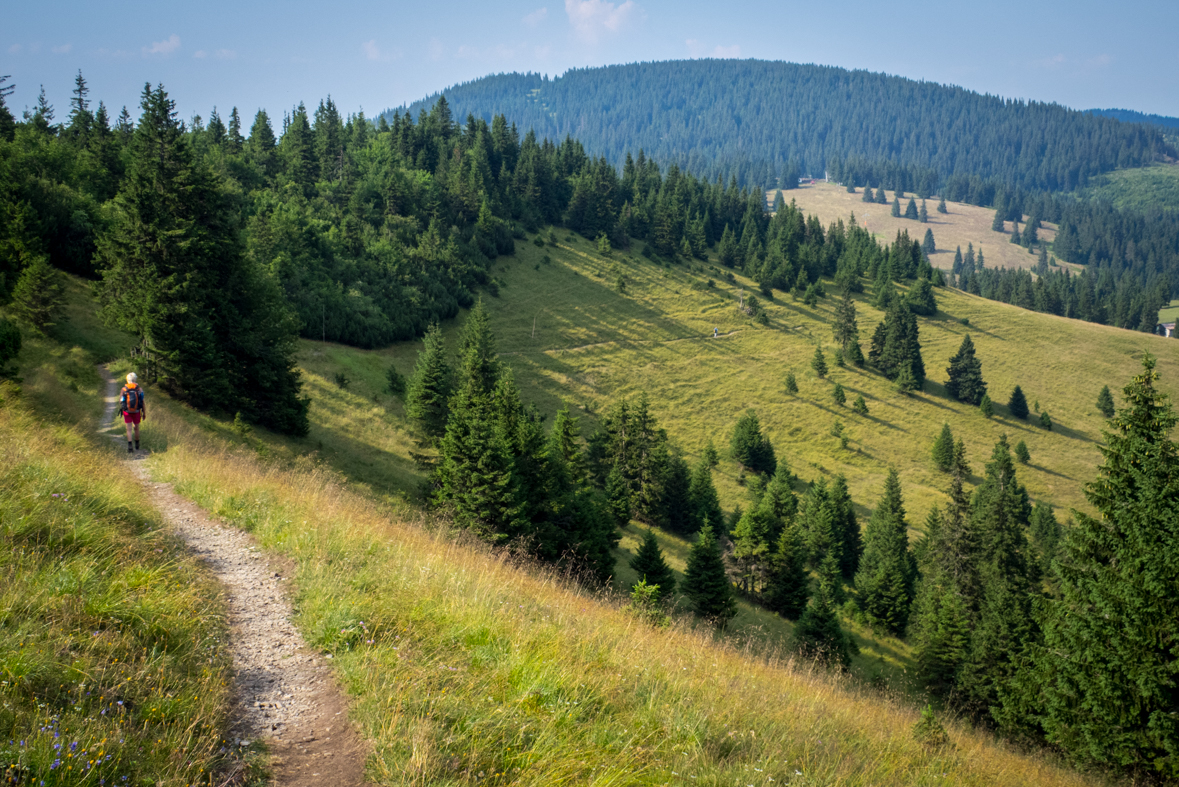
379	55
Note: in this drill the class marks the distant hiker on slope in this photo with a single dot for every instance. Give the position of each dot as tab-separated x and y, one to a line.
131	403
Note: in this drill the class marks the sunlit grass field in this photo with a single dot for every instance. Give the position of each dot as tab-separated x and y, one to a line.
1140	188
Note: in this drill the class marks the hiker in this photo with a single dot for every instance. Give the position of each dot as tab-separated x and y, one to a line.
714	332
131	403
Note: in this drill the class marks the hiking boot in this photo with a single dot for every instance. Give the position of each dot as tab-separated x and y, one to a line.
129	448
136	445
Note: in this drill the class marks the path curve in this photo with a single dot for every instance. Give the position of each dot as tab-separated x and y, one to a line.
283	692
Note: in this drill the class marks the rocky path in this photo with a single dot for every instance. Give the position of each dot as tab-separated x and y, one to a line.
284	692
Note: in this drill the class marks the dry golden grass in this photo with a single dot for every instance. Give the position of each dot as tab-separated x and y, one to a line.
962	225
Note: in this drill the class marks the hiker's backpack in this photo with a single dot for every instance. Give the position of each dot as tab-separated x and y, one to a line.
131	399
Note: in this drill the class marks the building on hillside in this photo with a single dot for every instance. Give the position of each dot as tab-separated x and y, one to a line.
1167	328
1168	317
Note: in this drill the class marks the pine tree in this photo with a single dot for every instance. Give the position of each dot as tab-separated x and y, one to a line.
859	405
678	510
941	205
750	447
911	210
749	539
943	449
1021	453
896	208
845	526
965	381
703	495
844	329
869	195
787	584
619	502
838	395
1017	405
212	323
923	215
1102	685
1045	533
1045	421
427	399
650	567
928	245
881	197
985	407
1105	402
851	185
920	298
791	383
819	635
997	223
38	296
706	584
819	362
884	579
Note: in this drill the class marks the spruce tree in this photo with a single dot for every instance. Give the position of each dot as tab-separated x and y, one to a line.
704	497
881	197
896	208
884	580
706	584
928	244
787	584
845	526
650	567
819	362
819	636
920	298
965	381
943	449
1102	686
911	210
678	510
844	329
941	205
869	195
923	215
750	546
1022	455
426	400
791	383
1017	405
985	407
1045	421
38	296
859	405
1105	402
851	186
838	395
619	502
750	447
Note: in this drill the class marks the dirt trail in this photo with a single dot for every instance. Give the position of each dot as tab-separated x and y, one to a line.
284	692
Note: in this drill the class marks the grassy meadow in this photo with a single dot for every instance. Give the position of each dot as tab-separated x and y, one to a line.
962	224
112	667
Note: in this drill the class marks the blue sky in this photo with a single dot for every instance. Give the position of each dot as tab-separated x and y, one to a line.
373	56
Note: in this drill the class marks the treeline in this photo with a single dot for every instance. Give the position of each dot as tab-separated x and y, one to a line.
137	206
761	121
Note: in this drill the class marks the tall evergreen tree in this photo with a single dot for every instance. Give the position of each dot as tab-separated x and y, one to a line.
844	329
427	398
649	565
896	207
706	584
1105	402
819	362
704	497
943	449
750	447
884	579
1017	405
212	324
819	635
928	244
911	211
941	205
787	585
965	381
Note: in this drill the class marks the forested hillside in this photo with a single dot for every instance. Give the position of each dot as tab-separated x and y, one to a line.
765	121
1130	116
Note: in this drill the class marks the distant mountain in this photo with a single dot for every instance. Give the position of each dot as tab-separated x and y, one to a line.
768	122
1130	116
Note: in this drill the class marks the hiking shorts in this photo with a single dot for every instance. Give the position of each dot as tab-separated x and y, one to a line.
131	418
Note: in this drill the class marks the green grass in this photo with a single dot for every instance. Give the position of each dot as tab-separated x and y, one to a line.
1142	188
111	638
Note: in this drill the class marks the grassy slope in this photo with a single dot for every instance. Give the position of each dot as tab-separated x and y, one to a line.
1140	188
569	336
963	224
469	667
480	666
110	635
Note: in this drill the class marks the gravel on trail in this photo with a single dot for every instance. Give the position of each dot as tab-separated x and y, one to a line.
283	692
